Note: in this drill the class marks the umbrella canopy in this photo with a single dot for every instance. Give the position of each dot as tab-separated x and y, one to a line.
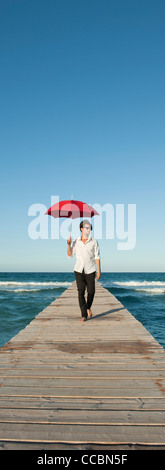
71	209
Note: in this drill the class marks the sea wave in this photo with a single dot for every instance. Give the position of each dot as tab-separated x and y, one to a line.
30	290
18	291
31	287
154	290
139	283
31	284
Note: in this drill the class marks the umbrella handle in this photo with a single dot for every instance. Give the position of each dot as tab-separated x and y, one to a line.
70	226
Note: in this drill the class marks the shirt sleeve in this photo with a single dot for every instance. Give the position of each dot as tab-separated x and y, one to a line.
73	247
97	250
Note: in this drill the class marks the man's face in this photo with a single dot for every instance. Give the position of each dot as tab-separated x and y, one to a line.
86	230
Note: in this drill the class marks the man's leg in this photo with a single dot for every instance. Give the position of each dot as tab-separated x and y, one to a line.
81	285
90	280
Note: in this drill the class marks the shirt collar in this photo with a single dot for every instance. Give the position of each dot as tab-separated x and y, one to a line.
88	239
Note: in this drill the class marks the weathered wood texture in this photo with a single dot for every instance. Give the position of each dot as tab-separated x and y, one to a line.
66	384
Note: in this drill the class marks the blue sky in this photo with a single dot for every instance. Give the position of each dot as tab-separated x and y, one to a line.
82	114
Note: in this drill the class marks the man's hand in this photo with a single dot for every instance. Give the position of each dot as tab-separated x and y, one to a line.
98	275
69	241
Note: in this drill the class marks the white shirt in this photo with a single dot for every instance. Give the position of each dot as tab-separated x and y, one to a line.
86	254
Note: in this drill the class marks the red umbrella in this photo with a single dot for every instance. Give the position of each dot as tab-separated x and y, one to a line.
71	209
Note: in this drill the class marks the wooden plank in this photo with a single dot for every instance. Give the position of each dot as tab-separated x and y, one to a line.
83	382
139	392
79	416
76	374
73	403
82	434
74	367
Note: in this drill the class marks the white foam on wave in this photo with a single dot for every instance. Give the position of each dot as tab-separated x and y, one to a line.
31	284
18	291
139	283
154	290
23	290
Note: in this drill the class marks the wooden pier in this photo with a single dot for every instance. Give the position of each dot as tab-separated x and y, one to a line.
71	385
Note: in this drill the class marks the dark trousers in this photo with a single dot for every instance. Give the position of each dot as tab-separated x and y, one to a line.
85	281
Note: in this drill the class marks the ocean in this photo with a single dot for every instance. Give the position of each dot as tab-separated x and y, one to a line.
24	295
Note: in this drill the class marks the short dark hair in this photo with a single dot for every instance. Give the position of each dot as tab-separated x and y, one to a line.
84	222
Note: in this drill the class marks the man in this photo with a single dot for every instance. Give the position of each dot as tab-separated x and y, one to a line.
88	256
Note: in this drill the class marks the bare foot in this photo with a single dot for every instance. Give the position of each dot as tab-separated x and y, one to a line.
89	312
83	319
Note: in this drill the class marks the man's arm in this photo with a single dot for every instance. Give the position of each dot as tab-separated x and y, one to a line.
98	275
97	260
69	250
